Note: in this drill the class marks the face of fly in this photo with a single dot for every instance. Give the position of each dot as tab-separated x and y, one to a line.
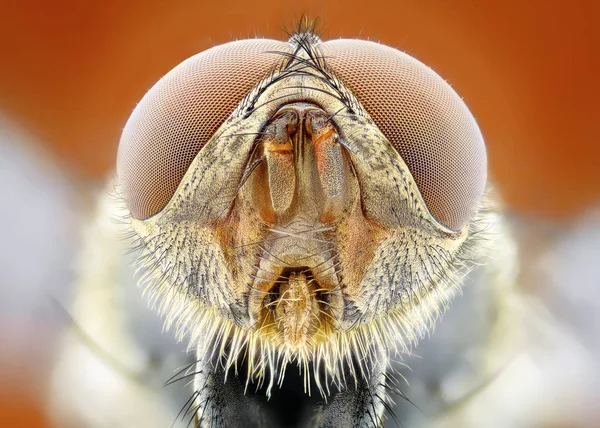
331	203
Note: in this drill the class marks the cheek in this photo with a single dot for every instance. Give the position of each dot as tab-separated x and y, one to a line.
358	239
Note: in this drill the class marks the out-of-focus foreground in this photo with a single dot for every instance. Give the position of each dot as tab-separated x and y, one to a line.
71	72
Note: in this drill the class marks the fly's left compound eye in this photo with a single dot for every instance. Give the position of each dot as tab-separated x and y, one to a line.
423	119
181	113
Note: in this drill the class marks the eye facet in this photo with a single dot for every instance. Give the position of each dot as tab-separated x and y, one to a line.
423	118
181	113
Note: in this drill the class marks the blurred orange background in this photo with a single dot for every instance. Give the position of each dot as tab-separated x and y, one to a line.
72	72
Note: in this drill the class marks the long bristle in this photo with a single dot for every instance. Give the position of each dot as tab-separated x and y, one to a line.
337	357
396	331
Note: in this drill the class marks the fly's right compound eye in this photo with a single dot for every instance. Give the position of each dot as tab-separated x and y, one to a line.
181	113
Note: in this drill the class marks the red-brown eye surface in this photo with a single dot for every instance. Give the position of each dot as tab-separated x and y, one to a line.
423	118
181	113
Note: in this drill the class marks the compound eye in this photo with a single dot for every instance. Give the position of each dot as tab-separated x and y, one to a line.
180	114
423	118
